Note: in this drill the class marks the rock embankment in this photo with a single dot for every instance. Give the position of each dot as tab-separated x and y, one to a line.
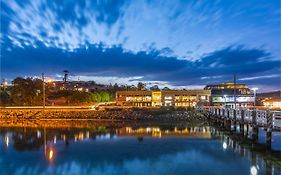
126	114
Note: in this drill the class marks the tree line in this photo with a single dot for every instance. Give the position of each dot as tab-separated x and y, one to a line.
29	92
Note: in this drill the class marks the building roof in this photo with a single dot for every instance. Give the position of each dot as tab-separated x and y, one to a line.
179	92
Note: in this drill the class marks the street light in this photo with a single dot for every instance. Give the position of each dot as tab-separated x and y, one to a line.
49	80
255	94
43	89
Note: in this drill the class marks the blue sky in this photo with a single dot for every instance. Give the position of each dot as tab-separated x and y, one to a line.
181	44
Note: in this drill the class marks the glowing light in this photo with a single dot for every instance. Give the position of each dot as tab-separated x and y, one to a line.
38	134
254	170
7	141
255	89
55	139
81	136
224	146
51	154
49	80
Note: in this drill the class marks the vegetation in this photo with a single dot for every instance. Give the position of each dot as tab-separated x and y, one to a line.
5	98
23	92
141	86
28	92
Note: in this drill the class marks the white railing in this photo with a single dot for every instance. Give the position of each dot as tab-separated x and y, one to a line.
239	114
266	118
222	112
276	117
231	113
261	117
248	115
271	119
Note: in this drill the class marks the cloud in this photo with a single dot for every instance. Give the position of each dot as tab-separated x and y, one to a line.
65	25
100	61
96	60
137	25
260	77
177	43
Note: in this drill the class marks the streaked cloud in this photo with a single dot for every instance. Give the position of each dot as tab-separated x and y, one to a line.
260	77
174	43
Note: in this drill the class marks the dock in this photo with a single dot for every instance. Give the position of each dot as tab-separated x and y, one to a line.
246	120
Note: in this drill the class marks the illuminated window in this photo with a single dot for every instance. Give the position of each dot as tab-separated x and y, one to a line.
203	97
168	97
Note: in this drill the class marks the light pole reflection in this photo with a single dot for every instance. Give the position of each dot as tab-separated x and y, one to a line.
7	141
224	146
254	170
51	154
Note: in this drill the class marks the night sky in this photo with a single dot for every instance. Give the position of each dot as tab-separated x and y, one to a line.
180	44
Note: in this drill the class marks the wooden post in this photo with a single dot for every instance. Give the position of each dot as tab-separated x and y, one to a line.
228	120
255	134
242	122
269	120
268	168
234	120
247	130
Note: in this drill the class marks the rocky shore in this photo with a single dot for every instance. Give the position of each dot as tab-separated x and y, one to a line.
122	115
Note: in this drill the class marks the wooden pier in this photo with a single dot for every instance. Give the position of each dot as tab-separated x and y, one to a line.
247	120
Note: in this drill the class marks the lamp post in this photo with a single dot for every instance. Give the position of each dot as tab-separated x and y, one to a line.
255	94
43	82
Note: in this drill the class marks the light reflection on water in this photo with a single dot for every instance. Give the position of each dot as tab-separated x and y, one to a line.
126	150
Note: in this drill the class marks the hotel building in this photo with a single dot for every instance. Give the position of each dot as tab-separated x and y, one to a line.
175	98
224	95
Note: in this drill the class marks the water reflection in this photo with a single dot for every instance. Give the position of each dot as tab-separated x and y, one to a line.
224	145
127	150
254	170
7	140
51	154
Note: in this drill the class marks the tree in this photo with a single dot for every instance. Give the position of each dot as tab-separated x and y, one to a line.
132	87
115	87
166	89
77	97
102	96
141	86
5	98
155	88
27	91
105	96
97	97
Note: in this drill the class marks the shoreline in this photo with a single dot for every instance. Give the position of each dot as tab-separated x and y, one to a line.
108	115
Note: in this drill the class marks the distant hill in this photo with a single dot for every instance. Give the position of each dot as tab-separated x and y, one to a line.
273	95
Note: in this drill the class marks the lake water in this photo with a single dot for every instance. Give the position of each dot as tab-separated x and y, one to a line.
136	150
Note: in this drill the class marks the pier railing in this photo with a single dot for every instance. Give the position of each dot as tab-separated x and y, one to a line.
261	118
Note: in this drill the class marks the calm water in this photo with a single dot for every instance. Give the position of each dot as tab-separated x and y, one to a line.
128	150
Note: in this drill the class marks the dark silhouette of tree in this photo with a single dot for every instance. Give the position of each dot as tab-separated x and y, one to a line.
166	89
155	88
27	91
5	98
141	86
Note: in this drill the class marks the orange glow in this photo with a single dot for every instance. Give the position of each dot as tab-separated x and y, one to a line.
51	154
